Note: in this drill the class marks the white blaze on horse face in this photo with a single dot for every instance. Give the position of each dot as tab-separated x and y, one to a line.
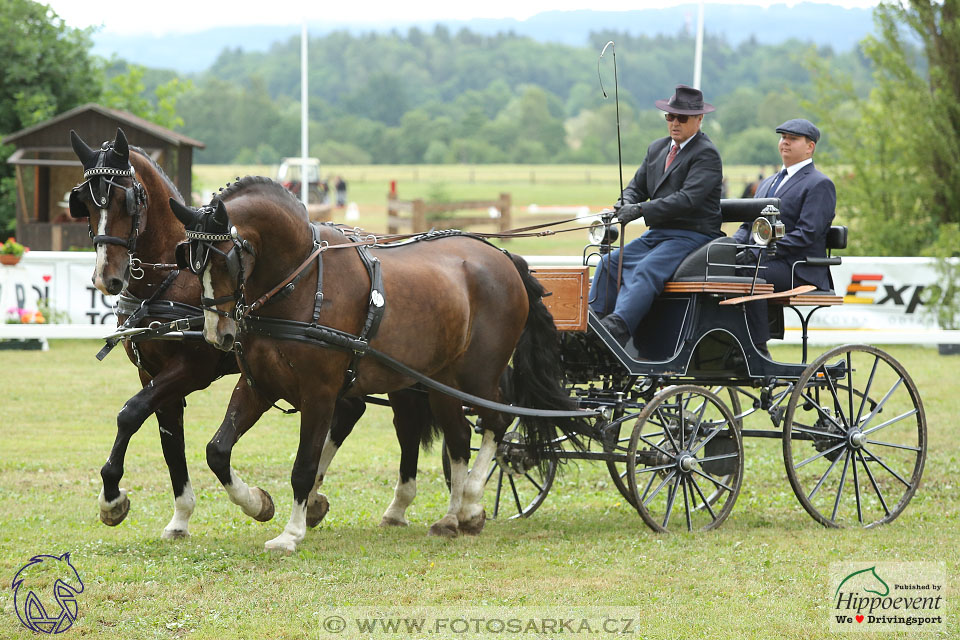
214	325
101	254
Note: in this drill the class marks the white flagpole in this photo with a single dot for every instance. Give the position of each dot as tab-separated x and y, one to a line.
698	54
304	119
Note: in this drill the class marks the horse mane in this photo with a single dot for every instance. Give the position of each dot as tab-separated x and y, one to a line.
158	169
249	184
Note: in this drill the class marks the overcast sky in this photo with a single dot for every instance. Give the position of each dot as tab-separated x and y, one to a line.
183	16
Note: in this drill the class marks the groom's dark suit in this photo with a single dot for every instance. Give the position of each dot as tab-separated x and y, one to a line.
807	206
681	207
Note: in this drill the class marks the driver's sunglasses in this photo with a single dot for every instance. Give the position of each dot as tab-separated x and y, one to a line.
673	116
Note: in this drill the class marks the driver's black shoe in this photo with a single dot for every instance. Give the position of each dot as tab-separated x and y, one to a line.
617	327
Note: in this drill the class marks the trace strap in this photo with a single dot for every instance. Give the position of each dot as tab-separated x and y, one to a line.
329	337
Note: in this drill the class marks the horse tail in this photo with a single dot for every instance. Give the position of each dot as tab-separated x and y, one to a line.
536	380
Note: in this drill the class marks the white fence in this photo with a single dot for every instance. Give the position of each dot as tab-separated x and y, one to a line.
884	300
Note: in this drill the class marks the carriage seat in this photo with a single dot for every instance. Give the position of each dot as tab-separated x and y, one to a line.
836	239
713	269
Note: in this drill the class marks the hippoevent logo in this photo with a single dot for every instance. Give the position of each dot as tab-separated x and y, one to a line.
891	596
45	593
869	288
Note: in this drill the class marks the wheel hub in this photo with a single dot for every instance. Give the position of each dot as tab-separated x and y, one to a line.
686	462
857	438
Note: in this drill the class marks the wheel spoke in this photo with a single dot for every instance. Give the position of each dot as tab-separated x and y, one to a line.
696	427
896	475
706	502
671	497
823	414
533	482
850	388
820	455
654	445
873	481
646	489
660	467
833	393
866	391
856	490
712	479
891	421
493	469
686	505
815	432
843	480
713	434
883	401
666	428
823	478
496	504
665	480
895	446
516	498
721	456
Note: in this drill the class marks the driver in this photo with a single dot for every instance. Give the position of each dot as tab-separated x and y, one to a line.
677	192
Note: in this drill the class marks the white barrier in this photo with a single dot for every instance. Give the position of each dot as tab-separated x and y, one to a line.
884	300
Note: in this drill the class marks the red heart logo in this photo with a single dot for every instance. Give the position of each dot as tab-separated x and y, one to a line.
47	278
859	618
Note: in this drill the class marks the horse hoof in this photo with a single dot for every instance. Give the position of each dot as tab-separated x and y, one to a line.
474	525
115	515
393	522
266	506
317	511
445	528
282	544
175	534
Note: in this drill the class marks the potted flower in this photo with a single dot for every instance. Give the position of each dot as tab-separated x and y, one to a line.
16	315
11	251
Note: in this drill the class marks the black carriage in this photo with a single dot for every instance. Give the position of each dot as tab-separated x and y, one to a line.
670	406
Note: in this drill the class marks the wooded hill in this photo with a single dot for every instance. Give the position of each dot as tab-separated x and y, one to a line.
440	97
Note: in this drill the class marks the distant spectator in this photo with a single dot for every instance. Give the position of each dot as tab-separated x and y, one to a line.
341	186
750	190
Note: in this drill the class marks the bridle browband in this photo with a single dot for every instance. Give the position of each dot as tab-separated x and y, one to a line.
200	244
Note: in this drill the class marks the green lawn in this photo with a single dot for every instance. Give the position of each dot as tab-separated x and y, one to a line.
763	574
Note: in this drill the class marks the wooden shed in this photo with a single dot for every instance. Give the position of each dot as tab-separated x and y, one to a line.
46	169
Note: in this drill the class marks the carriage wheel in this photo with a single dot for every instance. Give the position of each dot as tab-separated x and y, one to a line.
685	460
519	486
854	438
618	470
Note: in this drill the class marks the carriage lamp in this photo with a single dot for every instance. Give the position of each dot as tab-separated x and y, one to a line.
602	232
762	231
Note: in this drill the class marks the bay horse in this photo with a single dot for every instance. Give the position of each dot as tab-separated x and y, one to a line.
454	308
126	197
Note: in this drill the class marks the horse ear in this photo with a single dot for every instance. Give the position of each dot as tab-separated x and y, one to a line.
186	215
86	155
120	146
220	215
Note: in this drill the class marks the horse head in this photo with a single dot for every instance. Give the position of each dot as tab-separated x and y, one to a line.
214	252
113	200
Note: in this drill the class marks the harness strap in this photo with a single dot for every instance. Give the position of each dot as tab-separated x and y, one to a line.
334	338
262	300
139	314
245	372
318	298
376	304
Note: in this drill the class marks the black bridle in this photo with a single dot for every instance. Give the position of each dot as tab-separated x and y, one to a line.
199	246
99	180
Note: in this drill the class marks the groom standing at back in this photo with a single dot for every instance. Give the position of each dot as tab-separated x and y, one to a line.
677	192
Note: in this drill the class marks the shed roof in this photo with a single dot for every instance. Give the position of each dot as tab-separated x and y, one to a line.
123	117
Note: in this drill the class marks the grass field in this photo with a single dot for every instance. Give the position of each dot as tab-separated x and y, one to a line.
593	186
763	574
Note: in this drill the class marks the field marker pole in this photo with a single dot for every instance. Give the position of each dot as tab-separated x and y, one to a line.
304	118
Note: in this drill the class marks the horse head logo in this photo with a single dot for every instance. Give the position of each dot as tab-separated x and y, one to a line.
45	593
868	581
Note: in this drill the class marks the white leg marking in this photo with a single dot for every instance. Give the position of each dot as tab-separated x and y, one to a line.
101	252
473	489
240	494
293	533
458	478
403	495
182	510
107	506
